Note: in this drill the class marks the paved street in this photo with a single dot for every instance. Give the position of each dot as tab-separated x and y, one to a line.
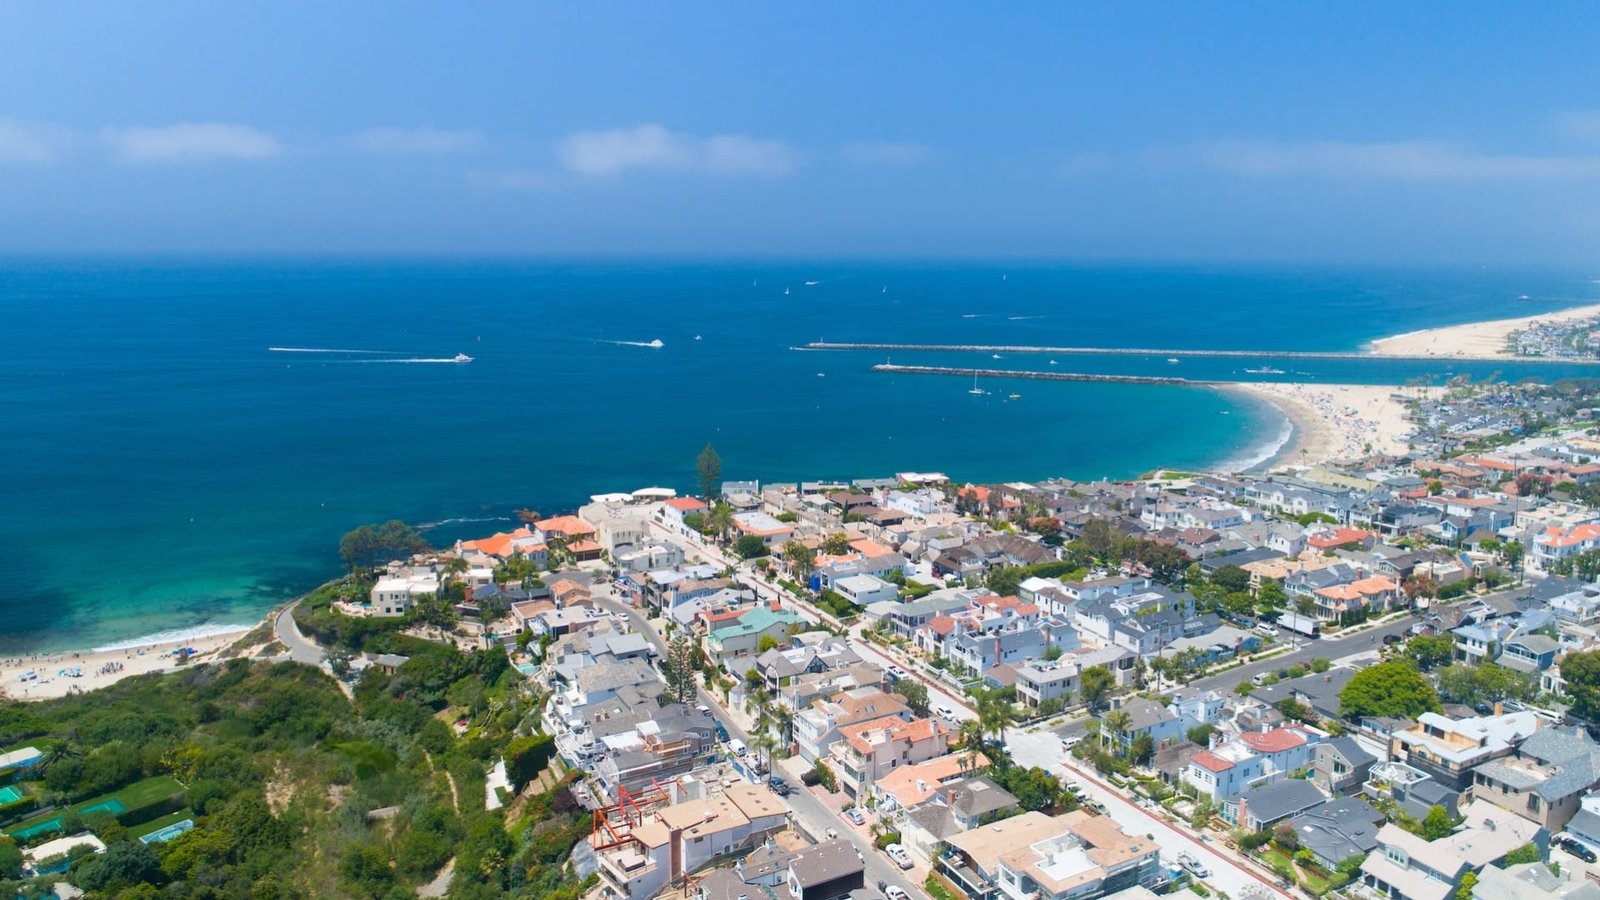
817	817
301	648
1043	749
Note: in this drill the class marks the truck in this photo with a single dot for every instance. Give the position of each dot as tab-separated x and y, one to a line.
1303	625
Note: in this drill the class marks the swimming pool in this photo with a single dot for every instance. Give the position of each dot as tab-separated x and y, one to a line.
529	669
10	794
168	833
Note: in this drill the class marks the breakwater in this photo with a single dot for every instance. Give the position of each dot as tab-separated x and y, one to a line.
1170	354
895	368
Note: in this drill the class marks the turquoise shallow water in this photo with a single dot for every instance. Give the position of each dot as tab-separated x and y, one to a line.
161	469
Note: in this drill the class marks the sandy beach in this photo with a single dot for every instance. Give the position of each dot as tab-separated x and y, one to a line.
100	668
1335	421
1476	340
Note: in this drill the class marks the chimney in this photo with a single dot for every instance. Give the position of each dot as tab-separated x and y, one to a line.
1499	708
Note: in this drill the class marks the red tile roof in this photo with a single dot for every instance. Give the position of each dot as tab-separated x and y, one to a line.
1208	760
686	504
1275	741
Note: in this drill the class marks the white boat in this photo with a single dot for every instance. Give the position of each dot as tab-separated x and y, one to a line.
1265	370
1052	362
786	292
812	283
998	356
976	391
885	289
461	358
1172	359
656	344
822	374
697	337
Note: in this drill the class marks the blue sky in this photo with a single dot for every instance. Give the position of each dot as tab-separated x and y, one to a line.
1242	131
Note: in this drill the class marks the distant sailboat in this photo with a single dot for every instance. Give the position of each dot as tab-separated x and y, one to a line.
786	292
976	391
697	337
885	289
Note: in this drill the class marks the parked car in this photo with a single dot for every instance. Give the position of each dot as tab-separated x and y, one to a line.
1575	848
1259	679
899	855
1193	866
944	712
1067	743
897	673
737	747
893	891
1267	628
779	786
855	815
1389	640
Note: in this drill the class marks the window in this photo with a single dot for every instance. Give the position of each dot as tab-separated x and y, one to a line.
1533	802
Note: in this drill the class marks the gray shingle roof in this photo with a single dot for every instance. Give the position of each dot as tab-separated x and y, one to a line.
1279	799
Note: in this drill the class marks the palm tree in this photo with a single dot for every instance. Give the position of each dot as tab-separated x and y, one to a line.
972	738
1115	721
58	753
995	715
720	520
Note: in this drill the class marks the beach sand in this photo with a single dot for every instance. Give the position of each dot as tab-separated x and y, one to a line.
1335	421
1476	340
104	667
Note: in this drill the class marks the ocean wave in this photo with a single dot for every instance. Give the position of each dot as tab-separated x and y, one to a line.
1266	451
464	520
174	636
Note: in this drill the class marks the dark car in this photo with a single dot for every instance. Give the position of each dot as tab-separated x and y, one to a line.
1391	639
1576	849
779	786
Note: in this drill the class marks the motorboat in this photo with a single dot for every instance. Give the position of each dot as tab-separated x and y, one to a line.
461	358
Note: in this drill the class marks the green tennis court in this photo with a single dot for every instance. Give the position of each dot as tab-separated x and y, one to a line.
10	794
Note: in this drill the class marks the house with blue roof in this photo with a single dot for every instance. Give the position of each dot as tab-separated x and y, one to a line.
744	636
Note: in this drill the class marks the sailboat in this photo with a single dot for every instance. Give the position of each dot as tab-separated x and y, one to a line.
976	391
786	292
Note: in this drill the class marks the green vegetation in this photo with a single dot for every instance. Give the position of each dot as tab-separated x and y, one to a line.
1430	651
1393	688
1484	683
1581	671
369	545
279	771
708	472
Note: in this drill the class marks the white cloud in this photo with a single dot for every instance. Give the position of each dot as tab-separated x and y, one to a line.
654	147
190	142
1397	160
513	180
22	141
893	153
424	140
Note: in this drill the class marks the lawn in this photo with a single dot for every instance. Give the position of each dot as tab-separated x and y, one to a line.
155	825
130	799
1276	859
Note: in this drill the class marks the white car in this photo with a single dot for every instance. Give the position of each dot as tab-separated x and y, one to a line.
897	674
1067	743
736	747
944	712
896	892
899	855
1267	628
1196	867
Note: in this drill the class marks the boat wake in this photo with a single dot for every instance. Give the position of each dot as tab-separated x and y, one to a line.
465	520
332	350
654	345
413	361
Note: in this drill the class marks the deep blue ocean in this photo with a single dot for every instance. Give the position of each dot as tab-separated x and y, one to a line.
161	469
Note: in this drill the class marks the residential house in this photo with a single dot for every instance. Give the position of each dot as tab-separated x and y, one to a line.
780	666
1340	765
1146	718
865	589
1253	758
743	636
1338	830
397	595
1262	807
951	810
639	860
671	513
1449	749
868	750
1089	856
817	727
772	531
1407	867
1533	881
1544	778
